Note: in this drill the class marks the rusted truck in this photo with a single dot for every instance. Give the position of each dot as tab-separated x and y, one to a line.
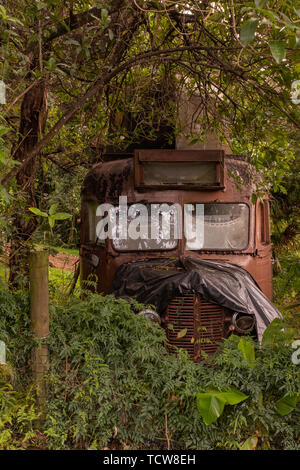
201	294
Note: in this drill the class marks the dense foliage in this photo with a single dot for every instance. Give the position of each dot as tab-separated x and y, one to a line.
78	77
112	384
84	76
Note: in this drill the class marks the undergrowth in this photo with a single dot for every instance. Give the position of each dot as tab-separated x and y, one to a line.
112	384
287	287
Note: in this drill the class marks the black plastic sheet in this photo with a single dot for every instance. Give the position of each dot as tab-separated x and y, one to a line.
158	281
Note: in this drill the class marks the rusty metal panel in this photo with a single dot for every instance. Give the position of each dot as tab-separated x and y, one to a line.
210	327
202	322
166	155
180	314
107	181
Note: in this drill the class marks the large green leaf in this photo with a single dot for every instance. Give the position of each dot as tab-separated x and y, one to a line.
52	209
211	403
278	50
210	406
278	331
51	221
247	33
37	211
249	444
247	349
61	216
2	13
272	331
234	396
287	403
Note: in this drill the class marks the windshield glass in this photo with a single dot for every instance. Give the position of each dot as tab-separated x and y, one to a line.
150	227
179	173
147	227
223	226
226	227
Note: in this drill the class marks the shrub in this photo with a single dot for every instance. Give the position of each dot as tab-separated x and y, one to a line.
18	414
112	383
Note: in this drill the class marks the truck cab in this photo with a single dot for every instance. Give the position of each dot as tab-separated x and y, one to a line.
235	232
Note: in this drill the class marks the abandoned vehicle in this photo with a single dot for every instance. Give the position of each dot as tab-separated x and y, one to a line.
199	293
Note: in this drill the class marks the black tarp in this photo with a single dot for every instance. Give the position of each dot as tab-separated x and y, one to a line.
158	281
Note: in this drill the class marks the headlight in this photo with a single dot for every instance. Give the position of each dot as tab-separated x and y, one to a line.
243	323
151	315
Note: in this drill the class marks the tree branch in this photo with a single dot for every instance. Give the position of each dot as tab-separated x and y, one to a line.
73	22
98	88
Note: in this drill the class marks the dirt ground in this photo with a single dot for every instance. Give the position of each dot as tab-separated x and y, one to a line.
63	261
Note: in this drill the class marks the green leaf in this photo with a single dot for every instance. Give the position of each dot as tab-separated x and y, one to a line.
4	196
37	211
14	20
210	407
51	64
234	396
182	333
2	13
248	29
41	5
51	220
45	166
104	14
52	209
278	50
247	349
4	130
278	331
254	198
211	403
61	216
250	443
194	141
72	42
287	403
3	156
272	331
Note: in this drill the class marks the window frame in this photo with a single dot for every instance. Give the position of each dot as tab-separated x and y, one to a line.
264	213
142	156
227	250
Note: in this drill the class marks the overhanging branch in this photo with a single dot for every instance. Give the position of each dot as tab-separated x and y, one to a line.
98	88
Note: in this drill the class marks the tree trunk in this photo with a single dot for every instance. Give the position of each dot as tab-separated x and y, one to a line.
33	117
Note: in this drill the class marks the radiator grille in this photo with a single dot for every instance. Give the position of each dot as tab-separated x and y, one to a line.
195	325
